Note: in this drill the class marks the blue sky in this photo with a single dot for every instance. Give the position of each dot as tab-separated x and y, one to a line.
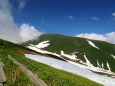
69	17
27	19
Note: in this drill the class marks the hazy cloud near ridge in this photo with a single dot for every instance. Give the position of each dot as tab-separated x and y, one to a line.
109	37
8	28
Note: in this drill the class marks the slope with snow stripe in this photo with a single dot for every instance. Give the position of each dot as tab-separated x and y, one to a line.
89	66
76	69
41	45
92	44
42	51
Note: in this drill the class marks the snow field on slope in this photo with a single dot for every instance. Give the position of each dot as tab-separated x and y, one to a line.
62	65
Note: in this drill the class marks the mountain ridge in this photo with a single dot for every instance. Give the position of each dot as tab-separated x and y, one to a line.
102	57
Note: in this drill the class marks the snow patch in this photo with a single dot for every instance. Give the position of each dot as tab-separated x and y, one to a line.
92	44
98	64
113	56
73	56
73	68
88	62
102	65
109	69
108	66
43	44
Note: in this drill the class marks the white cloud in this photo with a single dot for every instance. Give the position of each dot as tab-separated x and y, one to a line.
113	14
69	17
92	36
109	37
95	18
28	32
8	28
22	4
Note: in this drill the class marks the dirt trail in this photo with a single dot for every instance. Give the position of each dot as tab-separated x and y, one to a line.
29	73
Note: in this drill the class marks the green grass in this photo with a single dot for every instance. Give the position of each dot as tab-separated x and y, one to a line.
71	44
52	76
14	75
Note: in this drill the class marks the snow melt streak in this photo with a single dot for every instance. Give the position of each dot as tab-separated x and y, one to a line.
92	44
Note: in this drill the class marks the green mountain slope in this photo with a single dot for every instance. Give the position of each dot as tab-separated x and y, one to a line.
75	44
52	76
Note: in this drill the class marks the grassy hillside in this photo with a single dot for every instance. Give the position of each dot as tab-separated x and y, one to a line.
52	76
14	75
72	44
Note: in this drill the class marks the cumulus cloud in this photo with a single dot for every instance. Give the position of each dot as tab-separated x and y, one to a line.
22	4
69	17
109	37
95	18
8	28
28	32
92	36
